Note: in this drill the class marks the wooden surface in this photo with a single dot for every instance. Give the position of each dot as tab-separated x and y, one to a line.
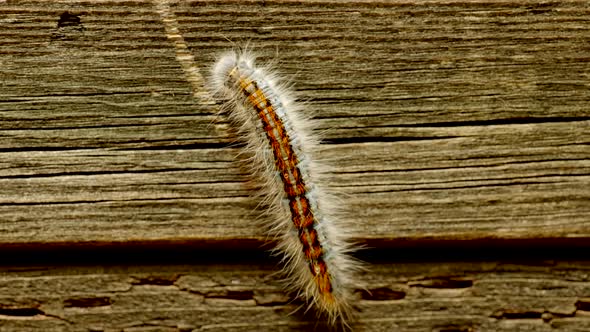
444	122
451	297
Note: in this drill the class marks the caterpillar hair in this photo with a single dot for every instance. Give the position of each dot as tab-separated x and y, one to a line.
303	217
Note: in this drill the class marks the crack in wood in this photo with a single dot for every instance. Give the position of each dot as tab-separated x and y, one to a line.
455	328
155	280
447	283
382	294
87	302
21	312
381	139
230	295
583	304
67	19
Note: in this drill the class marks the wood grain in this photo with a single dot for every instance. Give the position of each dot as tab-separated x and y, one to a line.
451	127
443	120
441	296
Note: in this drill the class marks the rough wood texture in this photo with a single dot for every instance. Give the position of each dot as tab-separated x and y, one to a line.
443	120
449	297
448	123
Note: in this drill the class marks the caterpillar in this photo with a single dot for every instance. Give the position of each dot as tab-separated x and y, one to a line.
301	214
278	135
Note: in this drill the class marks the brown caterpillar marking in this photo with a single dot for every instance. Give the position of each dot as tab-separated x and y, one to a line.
286	161
302	215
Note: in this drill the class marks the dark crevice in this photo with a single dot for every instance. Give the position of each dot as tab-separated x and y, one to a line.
442	283
381	139
254	251
348	99
162	252
93	173
100	126
455	328
67	19
15	99
381	294
65	202
516	178
491	122
515	314
45	149
460	187
583	305
155	280
21	312
434	249
193	146
231	295
112	147
151	116
87	302
405	170
125	200
496	122
518	161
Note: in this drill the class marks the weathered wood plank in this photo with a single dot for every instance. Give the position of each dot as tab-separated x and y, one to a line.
438	296
442	120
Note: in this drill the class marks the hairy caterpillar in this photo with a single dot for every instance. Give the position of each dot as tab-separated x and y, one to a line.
302	216
278	136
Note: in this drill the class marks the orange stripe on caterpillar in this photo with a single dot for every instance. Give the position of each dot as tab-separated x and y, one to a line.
310	233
